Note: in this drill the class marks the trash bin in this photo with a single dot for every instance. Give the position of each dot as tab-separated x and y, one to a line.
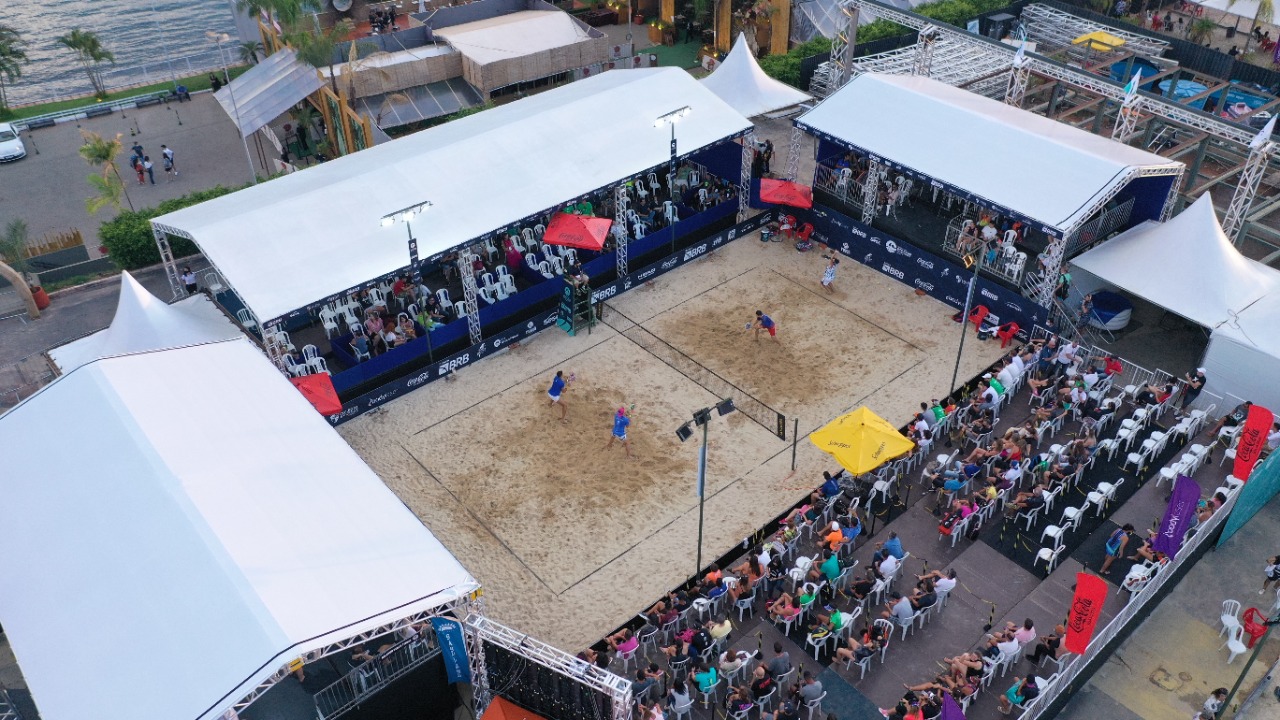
1255	624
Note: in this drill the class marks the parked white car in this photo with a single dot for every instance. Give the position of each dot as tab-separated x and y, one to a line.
11	147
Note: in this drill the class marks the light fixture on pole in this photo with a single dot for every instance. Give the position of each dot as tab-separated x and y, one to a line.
684	432
671	119
220	38
968	304
405	215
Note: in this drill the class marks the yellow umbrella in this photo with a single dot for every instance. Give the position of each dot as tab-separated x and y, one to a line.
1100	41
861	441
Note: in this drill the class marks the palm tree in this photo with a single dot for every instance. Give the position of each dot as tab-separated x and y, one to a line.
12	56
286	12
100	152
355	64
318	47
91	54
13	263
1264	14
249	52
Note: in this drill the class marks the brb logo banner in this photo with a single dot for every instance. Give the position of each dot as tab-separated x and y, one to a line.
910	265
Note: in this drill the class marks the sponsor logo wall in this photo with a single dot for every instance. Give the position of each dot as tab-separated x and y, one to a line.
940	279
497	341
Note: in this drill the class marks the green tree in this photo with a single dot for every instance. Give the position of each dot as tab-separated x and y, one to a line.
13	263
287	12
101	153
91	54
249	52
12	57
317	48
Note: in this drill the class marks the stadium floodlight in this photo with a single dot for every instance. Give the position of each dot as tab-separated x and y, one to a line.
725	406
684	432
671	119
405	215
702	418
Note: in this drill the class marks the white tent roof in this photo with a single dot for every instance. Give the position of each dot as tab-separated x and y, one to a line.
741	83
267	90
1256	326
143	323
514	35
1247	9
1045	170
302	237
1186	265
205	527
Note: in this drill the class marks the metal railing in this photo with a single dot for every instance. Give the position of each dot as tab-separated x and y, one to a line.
370	677
840	183
1139	606
122	78
1009	266
1099	228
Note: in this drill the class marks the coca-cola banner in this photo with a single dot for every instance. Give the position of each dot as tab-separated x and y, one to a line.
1086	608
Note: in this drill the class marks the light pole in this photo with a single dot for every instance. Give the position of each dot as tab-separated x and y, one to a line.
220	38
405	215
964	317
684	432
671	119
164	43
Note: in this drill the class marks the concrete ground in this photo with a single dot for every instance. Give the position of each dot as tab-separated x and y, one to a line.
48	188
1173	661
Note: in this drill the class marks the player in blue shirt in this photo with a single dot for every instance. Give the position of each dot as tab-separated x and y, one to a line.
620	423
556	393
764	322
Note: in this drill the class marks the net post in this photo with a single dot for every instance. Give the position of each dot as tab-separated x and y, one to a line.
795	437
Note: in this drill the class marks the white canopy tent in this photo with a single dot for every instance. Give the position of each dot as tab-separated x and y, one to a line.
297	239
1049	172
1186	265
514	35
267	90
1247	9
741	83
1243	359
197	539
143	323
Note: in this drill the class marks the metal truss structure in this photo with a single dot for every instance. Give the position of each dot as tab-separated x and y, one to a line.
842	44
454	610
792	170
1127	119
617	689
1255	167
926	39
1019	75
871	189
620	204
481	693
957	63
161	233
468	275
1057	29
744	179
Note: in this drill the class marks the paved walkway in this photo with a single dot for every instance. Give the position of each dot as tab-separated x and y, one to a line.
1173	661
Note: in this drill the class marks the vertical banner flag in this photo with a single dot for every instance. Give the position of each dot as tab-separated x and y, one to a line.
1253	437
950	708
1086	606
454	648
1178	516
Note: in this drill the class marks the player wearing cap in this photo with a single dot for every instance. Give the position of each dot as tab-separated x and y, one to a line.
620	423
764	322
1195	383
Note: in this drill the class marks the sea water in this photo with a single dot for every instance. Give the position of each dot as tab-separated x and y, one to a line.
138	32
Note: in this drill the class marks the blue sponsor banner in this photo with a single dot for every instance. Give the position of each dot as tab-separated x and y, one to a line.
1263	484
940	279
454	649
498	340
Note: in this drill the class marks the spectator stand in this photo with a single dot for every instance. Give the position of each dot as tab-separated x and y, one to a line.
983	599
509	169
1031	219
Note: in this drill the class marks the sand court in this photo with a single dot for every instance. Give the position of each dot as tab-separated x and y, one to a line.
571	539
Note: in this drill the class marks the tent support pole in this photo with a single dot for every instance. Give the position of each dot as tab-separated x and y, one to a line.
744	178
1019	76
170	265
620	236
870	191
1175	191
1246	189
792	170
468	276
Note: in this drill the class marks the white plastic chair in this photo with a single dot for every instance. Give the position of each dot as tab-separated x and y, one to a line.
1235	644
246	320
311	354
1049	556
213	283
1230	618
508	283
443	296
329	319
815	705
1071	517
295	368
460	309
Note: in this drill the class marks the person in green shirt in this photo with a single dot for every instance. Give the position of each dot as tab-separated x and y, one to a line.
705	676
831	567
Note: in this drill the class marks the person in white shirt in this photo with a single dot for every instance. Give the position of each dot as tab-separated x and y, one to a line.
1066	356
1007	376
1018	364
889	566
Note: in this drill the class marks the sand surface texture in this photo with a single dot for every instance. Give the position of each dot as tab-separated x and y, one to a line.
571	539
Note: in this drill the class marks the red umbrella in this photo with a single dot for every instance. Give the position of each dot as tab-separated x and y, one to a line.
318	390
577	231
782	192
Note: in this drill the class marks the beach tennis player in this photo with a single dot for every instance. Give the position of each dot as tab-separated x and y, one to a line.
829	275
556	393
765	323
620	423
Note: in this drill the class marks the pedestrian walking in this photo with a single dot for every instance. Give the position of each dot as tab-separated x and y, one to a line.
1271	574
620	423
829	274
765	323
189	280
1115	547
767	155
149	167
166	154
137	167
556	392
